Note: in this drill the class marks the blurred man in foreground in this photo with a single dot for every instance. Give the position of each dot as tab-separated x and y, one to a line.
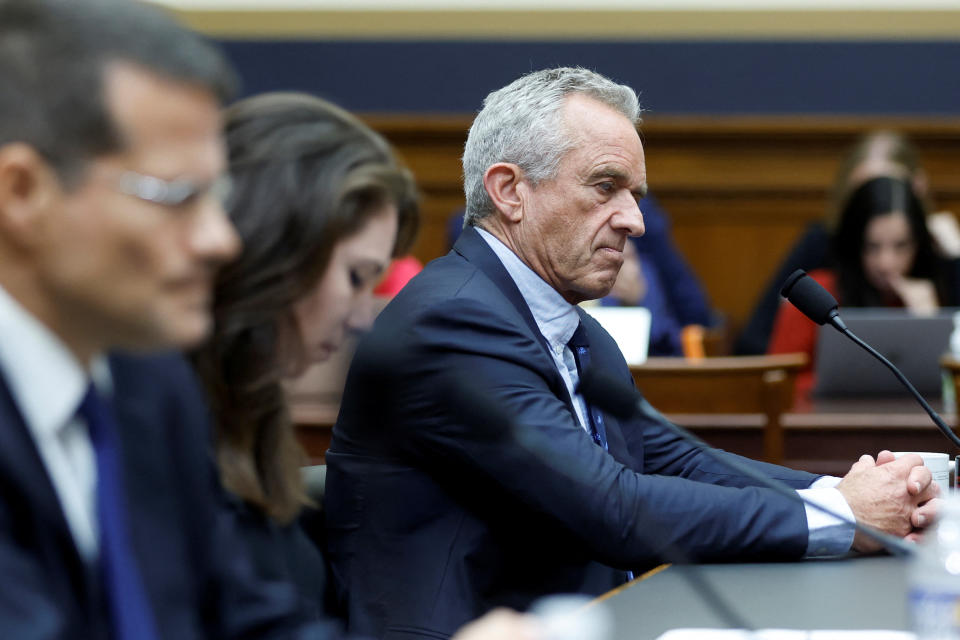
111	230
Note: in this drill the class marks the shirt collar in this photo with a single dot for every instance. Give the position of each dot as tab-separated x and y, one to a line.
556	318
46	380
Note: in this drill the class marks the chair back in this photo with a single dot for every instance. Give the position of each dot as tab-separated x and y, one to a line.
727	385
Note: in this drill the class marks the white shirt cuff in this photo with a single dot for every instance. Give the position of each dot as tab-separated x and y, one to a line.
828	536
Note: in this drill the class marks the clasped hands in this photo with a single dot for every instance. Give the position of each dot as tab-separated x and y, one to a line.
897	496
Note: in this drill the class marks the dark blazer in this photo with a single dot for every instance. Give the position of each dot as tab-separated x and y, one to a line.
286	553
197	577
439	510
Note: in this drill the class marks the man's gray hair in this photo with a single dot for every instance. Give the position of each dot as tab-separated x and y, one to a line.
522	124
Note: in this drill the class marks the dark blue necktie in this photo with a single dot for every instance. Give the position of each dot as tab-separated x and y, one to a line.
581	355
130	614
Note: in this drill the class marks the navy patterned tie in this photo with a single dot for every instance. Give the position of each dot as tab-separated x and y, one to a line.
581	355
130	614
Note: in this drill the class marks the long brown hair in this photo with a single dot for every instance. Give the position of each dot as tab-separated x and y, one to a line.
306	175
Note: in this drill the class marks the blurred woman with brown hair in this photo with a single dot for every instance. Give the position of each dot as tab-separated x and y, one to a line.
322	205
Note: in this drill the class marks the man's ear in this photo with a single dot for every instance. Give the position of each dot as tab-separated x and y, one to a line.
503	184
28	185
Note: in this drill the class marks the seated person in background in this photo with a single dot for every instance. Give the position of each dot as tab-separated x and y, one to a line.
436	510
674	295
321	205
878	153
881	255
655	275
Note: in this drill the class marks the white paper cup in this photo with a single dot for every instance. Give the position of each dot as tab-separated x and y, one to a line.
939	465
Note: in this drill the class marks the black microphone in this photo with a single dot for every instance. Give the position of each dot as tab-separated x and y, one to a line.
816	303
623	401
811	299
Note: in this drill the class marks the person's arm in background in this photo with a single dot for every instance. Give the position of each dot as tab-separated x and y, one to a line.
681	286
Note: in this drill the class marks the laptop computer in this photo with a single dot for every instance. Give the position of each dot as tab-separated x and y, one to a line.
912	343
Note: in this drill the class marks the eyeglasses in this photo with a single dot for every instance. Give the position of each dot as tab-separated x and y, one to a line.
171	193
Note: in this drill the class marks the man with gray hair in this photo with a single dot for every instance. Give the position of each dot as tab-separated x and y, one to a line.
437	510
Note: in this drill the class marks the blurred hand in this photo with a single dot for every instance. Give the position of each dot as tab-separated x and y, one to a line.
894	496
502	624
918	296
945	230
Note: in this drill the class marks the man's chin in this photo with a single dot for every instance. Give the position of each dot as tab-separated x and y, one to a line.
186	331
602	289
586	295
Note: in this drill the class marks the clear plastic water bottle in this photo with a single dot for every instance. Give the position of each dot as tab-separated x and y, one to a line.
573	617
934	577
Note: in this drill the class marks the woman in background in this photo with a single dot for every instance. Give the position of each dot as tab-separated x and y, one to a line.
881	255
878	153
321	205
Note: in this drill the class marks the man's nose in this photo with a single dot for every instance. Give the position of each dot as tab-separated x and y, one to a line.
628	216
213	236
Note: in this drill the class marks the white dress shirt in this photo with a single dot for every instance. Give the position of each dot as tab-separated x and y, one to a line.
48	384
557	319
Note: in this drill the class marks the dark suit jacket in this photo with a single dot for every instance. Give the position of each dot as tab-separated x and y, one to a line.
197	578
436	512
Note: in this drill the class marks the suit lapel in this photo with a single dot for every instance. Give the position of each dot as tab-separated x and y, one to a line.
25	478
475	249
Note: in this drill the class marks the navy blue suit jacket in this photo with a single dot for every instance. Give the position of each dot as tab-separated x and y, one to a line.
437	514
196	574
